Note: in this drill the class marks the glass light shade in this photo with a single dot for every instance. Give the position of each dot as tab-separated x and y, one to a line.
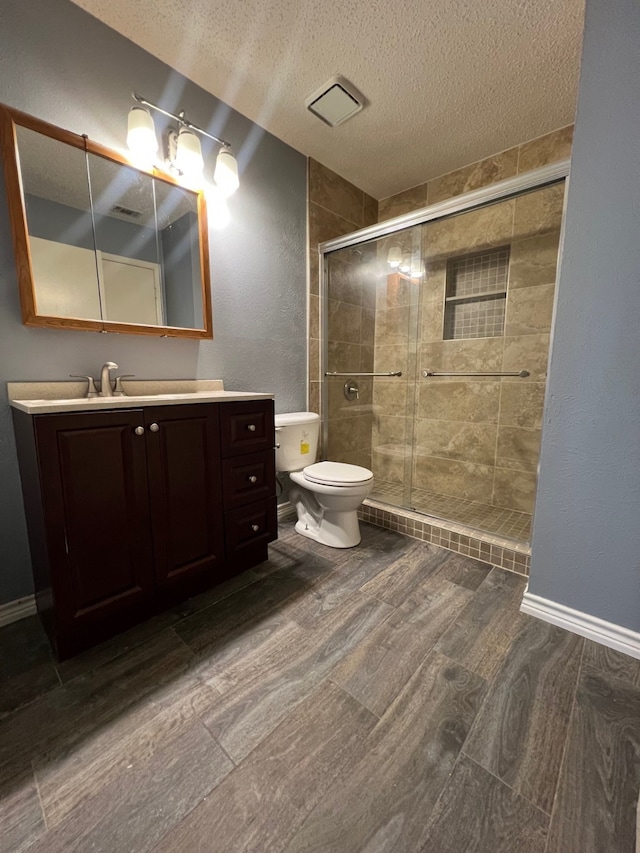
141	133
188	154
226	172
394	258
217	211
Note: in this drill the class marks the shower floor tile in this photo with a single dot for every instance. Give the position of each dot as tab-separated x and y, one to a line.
492	519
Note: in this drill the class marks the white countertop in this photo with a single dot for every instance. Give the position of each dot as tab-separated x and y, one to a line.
40	398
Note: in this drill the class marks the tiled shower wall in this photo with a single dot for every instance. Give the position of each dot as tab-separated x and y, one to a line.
338	207
476	439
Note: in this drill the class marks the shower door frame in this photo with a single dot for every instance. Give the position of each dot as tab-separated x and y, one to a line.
474	200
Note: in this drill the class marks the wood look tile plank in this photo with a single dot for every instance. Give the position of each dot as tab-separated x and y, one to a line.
463	570
139	634
611	662
519	734
478	813
379	667
480	637
206	630
595	808
138	807
260	805
74	712
21	819
346	579
68	778
264	687
26	666
382	804
396	583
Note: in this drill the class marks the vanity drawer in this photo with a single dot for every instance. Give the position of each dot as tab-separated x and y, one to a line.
247	427
251	525
248	478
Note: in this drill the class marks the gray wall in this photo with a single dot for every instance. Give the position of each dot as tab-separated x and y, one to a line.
62	65
586	536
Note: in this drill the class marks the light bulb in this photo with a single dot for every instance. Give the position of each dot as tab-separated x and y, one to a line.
226	172
394	257
417	270
141	133
189	154
405	266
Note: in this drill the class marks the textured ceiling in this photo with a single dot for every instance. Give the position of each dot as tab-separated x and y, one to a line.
447	82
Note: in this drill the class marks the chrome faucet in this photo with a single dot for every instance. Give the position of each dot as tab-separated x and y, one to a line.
105	380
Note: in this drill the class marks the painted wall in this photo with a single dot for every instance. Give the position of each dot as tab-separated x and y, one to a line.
62	65
586	535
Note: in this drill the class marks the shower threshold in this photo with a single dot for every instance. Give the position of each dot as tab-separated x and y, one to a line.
384	508
483	518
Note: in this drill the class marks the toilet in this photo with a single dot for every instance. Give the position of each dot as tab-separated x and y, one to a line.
326	495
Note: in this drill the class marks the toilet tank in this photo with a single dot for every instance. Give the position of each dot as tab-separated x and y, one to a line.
297	434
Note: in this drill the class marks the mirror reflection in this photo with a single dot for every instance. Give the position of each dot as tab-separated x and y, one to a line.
109	246
58	212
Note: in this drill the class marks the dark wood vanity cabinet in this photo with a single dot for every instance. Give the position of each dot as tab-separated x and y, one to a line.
132	510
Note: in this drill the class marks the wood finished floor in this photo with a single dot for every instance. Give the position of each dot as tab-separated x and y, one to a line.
386	698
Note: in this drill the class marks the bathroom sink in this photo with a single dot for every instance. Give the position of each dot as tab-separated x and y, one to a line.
47	397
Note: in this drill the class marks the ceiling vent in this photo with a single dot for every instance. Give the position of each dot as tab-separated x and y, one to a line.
125	212
335	102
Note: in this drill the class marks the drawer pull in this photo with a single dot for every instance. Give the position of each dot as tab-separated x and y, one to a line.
253	478
139	430
251	427
255	527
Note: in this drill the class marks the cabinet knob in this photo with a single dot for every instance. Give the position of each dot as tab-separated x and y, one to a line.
255	527
251	427
154	428
139	430
253	479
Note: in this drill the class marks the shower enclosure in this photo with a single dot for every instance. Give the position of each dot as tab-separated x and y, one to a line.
436	329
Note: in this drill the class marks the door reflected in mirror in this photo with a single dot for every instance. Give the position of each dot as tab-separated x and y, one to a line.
100	244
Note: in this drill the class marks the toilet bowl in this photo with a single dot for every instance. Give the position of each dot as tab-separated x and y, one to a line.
326	495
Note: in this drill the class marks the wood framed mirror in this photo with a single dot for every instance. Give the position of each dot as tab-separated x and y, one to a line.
99	244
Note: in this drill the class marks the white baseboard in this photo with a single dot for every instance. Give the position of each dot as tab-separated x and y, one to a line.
12	611
285	510
600	631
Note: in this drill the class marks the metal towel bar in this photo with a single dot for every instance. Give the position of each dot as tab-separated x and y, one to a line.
393	373
521	373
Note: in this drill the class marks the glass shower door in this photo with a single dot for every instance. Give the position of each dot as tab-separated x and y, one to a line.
426	332
485	307
371	320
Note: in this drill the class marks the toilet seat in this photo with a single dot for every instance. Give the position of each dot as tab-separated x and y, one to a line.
337	474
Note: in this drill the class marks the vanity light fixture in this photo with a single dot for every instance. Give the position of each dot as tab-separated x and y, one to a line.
185	151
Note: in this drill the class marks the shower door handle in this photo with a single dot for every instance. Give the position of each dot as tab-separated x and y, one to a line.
391	373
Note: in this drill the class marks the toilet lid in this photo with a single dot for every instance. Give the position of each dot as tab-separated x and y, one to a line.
337	474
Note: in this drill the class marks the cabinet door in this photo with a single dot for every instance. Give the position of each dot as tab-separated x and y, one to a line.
93	474
185	491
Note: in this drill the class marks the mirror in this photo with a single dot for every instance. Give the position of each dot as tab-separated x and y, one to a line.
100	244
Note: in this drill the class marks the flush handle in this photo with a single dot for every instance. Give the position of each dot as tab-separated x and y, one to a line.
154	428
251	427
253	478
